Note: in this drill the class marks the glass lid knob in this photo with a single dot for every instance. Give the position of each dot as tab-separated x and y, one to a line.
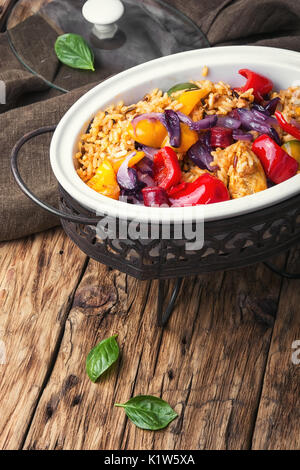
103	14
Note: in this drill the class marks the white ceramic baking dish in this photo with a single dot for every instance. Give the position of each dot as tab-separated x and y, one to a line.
282	66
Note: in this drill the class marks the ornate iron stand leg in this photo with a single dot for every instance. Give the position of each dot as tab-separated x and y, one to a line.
281	272
164	315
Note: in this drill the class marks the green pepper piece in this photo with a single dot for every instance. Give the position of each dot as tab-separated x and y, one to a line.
182	86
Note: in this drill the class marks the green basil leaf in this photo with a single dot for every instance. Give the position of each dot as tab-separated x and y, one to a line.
73	50
148	412
182	86
101	357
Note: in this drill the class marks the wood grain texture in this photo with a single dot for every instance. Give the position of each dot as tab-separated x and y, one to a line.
277	425
208	364
23	9
223	362
37	279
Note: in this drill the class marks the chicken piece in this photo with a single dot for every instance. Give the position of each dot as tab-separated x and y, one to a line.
240	169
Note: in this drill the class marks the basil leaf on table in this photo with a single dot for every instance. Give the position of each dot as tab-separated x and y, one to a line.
182	86
148	412
101	357
74	51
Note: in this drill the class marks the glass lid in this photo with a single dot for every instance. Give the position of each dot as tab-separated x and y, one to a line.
148	29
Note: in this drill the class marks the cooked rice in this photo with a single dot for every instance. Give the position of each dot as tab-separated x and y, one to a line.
289	106
290	101
204	71
108	137
237	166
221	99
191	172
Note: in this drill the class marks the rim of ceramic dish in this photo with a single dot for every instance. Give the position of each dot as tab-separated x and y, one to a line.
76	119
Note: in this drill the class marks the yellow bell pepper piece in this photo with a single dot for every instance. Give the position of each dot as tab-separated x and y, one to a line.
292	147
133	161
188	138
105	181
298	111
190	99
150	133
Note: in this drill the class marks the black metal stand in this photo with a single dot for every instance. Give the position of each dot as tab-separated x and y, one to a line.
163	315
281	272
256	236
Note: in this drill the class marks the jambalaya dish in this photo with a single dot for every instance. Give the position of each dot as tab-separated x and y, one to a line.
197	143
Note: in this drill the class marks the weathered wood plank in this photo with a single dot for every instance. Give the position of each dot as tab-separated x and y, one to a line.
72	410
23	9
278	419
37	278
212	373
209	363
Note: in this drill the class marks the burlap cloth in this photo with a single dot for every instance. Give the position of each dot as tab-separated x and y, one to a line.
31	104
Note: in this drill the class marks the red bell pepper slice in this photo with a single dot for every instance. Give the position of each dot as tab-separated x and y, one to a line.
286	126
279	166
261	85
166	168
206	189
155	197
175	189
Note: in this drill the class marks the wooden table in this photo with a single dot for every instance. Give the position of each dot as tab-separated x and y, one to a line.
224	362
